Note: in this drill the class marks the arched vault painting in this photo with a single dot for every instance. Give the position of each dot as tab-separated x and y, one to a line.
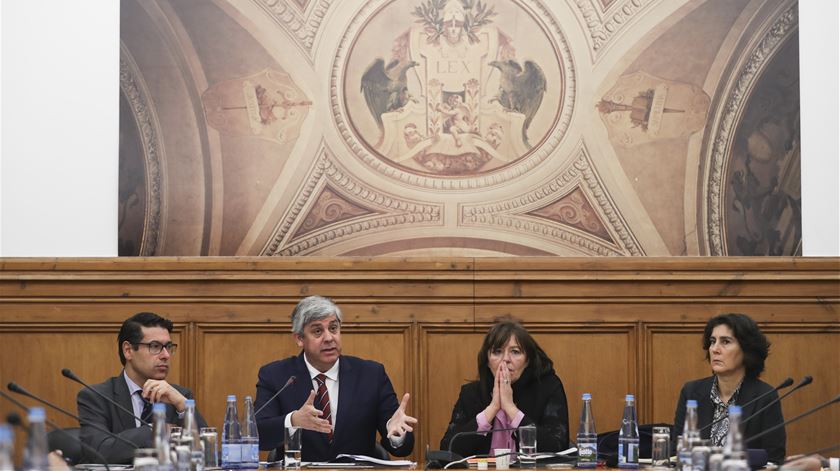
459	127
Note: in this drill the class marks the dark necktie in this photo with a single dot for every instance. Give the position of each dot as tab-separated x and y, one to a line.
146	413
322	401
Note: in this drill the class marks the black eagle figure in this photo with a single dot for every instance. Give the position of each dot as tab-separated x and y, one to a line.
521	90
386	88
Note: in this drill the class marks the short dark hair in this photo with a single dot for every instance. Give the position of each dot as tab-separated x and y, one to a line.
497	337
132	329
753	343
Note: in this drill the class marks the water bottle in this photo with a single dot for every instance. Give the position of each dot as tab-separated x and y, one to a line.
734	453
587	439
192	439
628	435
161	437
35	454
691	436
250	437
231	438
6	448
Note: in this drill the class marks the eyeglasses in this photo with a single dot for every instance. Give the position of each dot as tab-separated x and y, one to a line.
156	347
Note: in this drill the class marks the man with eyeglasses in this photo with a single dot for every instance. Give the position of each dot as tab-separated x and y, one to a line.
145	349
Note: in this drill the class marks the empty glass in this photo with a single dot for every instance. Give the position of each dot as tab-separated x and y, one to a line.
210	442
660	446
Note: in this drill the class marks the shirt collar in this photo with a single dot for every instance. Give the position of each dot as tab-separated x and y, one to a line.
715	394
331	373
132	386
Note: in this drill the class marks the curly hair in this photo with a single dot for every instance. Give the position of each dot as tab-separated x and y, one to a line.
753	343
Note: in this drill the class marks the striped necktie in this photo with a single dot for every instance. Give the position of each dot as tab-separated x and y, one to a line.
322	401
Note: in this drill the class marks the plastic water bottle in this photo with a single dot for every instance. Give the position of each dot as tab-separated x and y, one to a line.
734	454
628	435
587	439
7	445
691	436
191	437
250	437
161	437
35	455
231	438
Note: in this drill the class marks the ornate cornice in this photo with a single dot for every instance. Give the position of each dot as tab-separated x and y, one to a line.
737	96
134	88
467	183
603	26
510	213
302	26
393	211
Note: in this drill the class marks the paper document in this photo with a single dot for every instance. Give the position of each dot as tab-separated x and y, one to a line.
370	459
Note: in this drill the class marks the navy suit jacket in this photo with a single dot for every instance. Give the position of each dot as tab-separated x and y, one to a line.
366	400
701	389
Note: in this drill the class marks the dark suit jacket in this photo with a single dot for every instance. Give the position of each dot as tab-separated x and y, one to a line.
366	401
700	390
95	410
542	401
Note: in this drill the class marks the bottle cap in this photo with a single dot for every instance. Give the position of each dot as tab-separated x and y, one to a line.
587	396
691	403
629	397
248	398
190	403
231	397
37	413
159	407
734	410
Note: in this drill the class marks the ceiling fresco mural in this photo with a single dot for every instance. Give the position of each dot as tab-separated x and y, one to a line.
459	127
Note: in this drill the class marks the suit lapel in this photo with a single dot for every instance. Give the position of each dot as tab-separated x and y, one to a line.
122	397
347	384
747	393
705	408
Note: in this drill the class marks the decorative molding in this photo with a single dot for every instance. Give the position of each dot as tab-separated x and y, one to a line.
604	25
137	95
391	210
293	17
745	78
523	166
580	173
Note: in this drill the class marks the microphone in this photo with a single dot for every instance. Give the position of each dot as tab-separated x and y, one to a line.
790	421
787	382
446	458
13	419
70	375
808	379
16	388
289	382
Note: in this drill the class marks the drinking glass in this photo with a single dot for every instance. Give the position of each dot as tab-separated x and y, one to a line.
291	443
528	446
210	442
660	446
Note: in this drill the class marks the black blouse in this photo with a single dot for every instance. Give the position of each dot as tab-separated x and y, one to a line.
542	400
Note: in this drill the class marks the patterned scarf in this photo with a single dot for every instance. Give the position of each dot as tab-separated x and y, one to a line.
721	429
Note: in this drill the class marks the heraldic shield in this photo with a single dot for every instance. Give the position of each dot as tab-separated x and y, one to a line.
454	99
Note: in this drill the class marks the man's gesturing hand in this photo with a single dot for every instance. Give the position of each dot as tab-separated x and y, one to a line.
309	418
400	423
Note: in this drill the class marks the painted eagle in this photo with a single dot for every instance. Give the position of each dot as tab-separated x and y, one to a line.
386	87
521	90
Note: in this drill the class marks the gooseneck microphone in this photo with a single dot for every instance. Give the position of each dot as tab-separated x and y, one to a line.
14	420
787	382
72	376
808	379
476	432
790	421
16	388
289	382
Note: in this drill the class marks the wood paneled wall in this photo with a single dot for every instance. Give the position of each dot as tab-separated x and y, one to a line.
612	326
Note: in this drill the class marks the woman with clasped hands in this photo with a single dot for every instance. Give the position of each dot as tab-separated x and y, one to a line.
516	386
735	349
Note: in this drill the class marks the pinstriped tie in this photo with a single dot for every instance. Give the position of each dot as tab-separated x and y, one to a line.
322	401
